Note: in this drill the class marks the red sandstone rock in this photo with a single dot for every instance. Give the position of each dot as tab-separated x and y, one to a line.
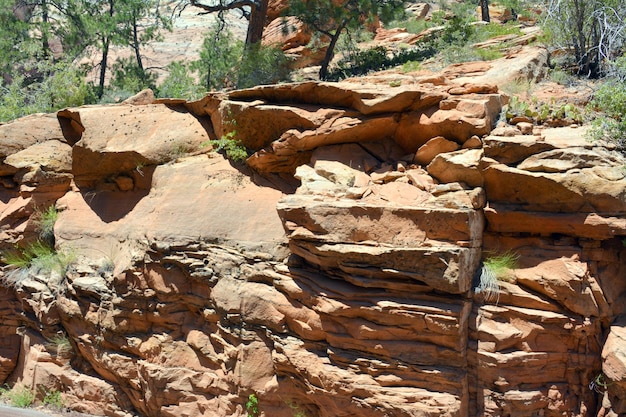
204	282
426	153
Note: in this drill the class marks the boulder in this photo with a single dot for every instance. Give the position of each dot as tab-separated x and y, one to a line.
460	166
126	138
427	152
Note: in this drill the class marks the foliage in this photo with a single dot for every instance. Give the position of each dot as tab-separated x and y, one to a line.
231	146
378	58
411	66
262	64
18	396
552	113
49	87
488	54
45	220
517	87
60	344
517	107
599	384
562	77
296	410
501	265
410	23
488	285
253	10
179	150
331	18
252	405
39	257
593	31
218	55
495	268
180	83
126	23
452	42
491	30
610	101
13	38
53	399
128	76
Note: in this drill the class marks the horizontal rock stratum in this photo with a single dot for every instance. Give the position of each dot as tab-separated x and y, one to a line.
337	273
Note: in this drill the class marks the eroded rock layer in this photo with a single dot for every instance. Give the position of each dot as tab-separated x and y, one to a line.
337	274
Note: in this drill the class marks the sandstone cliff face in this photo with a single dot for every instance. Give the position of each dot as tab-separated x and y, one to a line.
336	277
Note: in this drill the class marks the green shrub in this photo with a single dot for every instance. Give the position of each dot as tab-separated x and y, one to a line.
231	146
262	64
219	55
491	30
411	24
180	83
296	410
609	102
590	32
126	76
562	77
39	257
488	54
18	396
502	265
53	399
57	85
411	66
252	405
379	58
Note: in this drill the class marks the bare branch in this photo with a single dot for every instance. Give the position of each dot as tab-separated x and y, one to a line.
230	5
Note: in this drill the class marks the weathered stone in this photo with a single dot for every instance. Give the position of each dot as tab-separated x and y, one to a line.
51	155
569	283
614	367
459	166
584	190
142	98
584	225
131	137
427	152
563	160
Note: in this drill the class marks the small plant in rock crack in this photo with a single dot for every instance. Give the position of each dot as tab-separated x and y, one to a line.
230	145
494	269
36	258
53	399
60	345
252	405
45	220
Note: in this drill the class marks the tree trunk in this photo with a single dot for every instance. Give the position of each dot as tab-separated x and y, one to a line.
103	66
330	51
136	44
106	39
45	18
258	14
484	10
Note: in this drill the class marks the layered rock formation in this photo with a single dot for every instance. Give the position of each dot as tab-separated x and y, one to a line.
336	274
